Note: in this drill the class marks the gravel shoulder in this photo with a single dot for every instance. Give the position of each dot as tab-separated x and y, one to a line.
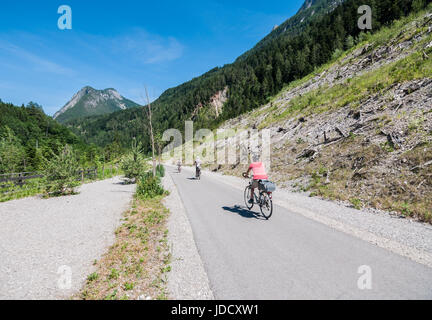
44	241
188	279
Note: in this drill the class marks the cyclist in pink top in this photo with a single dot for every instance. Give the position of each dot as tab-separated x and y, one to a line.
259	173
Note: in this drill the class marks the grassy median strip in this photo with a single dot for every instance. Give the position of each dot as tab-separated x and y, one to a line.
136	266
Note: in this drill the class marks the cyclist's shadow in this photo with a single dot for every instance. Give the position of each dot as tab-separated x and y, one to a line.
244	212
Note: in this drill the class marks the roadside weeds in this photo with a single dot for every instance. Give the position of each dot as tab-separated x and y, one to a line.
136	266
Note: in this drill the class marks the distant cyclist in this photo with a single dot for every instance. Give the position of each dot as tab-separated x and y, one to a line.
198	167
259	173
179	165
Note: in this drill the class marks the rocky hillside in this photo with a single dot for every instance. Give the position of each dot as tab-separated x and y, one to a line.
359	129
92	102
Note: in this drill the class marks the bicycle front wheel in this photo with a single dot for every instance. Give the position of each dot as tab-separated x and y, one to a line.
266	205
247	197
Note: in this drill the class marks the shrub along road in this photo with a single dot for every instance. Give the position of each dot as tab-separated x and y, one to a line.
290	256
44	241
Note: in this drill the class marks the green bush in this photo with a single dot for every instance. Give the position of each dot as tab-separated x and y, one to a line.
60	172
160	171
150	187
12	154
336	54
134	165
363	36
133	168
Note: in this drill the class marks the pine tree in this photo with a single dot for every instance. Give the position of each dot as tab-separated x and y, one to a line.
12	153
418	5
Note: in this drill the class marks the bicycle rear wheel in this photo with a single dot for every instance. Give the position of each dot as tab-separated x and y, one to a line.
247	197
266	205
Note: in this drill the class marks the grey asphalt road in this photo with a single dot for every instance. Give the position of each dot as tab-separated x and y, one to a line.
289	256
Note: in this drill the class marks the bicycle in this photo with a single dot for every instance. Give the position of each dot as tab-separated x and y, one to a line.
264	200
198	173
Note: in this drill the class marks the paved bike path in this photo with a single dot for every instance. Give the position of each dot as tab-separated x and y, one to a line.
289	256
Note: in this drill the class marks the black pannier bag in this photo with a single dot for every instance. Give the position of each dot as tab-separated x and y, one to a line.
267	186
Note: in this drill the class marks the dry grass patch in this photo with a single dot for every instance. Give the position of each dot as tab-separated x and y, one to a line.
136	265
366	175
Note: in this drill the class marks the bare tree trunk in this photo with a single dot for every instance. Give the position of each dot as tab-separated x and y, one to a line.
151	132
103	167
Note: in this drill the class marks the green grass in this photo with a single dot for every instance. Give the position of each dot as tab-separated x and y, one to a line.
128	286
12	192
94	276
357	203
108	171
112	295
114	274
387	147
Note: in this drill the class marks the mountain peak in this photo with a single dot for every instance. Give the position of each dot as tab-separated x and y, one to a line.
88	88
92	102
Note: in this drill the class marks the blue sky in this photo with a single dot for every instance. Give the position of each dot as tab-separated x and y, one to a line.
123	44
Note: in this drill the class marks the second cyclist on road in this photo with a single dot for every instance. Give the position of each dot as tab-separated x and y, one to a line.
198	168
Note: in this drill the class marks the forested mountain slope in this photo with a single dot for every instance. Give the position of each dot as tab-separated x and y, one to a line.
27	135
311	9
249	81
